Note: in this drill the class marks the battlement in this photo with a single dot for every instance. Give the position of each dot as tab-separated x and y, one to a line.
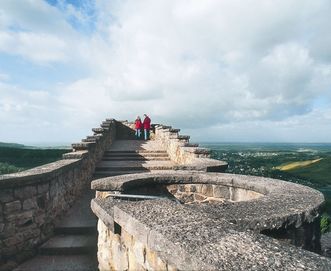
32	201
161	204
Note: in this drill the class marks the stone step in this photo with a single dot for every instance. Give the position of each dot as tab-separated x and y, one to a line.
60	263
102	174
135	151
79	219
75	229
150	156
69	245
145	164
136	158
153	154
133	168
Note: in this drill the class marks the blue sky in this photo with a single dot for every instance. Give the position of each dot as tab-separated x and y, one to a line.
220	70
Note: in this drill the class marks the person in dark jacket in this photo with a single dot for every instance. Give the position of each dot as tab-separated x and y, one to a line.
147	126
138	126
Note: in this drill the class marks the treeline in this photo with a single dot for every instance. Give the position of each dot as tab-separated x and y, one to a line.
18	159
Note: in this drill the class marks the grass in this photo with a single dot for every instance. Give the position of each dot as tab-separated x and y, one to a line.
319	172
297	165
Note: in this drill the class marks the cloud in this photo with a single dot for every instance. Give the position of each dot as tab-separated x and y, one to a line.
193	64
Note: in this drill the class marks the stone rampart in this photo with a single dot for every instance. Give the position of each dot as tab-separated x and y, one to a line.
31	201
185	154
230	229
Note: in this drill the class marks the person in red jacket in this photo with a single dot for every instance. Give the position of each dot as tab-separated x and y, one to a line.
138	126
147	126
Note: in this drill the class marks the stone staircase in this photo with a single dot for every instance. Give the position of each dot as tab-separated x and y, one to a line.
73	247
133	156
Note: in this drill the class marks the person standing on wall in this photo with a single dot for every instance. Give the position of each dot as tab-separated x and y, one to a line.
138	126
147	126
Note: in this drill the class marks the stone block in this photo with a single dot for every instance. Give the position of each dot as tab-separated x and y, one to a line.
12	207
6	195
221	191
198	197
9	265
40	218
12	241
9	230
198	188
30	204
207	190
2	227
25	192
119	256
42	188
193	188
171	267
139	253
30	232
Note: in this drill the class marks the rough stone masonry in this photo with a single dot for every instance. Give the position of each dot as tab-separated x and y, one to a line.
227	234
203	219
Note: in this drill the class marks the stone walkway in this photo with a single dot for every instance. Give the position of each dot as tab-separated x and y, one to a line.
133	156
74	245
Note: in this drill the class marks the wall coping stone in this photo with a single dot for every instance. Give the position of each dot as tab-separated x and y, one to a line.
76	155
196	150
183	137
196	240
289	203
99	130
204	164
83	145
38	174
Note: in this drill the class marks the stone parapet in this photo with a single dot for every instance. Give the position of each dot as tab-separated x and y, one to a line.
185	154
32	201
238	233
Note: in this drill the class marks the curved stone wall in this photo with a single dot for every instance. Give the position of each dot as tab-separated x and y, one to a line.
164	235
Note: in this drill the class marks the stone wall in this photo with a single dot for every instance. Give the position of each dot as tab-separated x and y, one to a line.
165	235
124	252
31	201
188	155
125	130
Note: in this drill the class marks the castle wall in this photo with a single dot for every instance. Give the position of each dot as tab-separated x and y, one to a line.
162	234
33	200
186	155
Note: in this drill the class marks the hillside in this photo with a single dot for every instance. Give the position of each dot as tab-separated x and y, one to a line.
11	145
319	171
14	159
297	165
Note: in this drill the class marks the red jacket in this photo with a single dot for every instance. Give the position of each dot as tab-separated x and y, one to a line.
138	124
147	123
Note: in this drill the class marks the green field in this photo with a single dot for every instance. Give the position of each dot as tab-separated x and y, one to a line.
319	172
15	157
307	164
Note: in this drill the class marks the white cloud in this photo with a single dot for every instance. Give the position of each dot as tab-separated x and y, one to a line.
40	48
193	64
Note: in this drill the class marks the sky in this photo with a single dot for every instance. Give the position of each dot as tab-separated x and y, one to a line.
221	70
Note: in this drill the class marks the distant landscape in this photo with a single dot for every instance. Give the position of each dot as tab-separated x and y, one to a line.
18	157
308	164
